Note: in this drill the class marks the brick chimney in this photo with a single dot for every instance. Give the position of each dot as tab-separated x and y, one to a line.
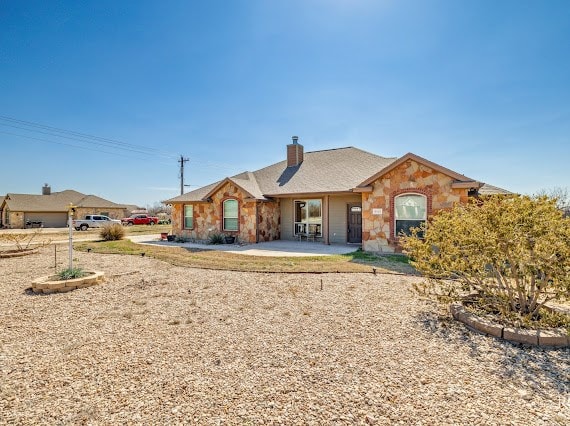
46	189
294	153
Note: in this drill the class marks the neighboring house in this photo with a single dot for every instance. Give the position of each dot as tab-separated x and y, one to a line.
50	210
342	195
133	209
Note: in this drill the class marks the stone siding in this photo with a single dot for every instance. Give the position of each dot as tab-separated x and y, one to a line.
269	221
411	176
17	220
81	212
208	217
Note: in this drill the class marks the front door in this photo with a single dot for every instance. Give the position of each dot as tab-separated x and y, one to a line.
355	223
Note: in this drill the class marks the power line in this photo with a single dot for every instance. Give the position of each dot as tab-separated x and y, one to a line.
59	132
78	146
98	142
138	151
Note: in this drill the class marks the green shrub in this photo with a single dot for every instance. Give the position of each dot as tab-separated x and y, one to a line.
70	273
513	251
216	239
112	232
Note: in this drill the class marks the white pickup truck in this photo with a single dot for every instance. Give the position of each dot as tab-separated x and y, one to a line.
93	221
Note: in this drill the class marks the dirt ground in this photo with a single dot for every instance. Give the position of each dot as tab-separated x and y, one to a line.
159	344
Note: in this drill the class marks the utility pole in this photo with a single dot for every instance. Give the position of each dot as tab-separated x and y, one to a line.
182	161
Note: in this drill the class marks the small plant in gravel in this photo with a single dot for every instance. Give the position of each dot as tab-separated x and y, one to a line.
514	252
112	232
71	273
23	242
216	239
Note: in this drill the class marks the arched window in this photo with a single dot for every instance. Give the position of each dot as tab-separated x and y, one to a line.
410	211
230	215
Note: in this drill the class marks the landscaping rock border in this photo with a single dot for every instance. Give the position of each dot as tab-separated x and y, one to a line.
549	337
51	283
17	253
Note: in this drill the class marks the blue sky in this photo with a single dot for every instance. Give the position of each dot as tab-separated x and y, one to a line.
481	87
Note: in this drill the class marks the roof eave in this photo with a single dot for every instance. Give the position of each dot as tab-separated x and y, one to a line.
363	189
466	184
308	194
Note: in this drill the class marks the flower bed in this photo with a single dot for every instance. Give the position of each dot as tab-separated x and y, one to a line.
52	283
541	337
17	253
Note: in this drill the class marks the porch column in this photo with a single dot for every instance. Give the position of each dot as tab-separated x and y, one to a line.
326	220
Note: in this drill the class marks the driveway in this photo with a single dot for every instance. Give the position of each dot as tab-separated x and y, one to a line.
270	248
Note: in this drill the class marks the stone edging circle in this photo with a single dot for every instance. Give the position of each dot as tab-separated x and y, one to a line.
542	337
17	253
51	284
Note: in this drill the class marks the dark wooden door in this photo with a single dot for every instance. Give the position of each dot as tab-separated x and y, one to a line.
354	223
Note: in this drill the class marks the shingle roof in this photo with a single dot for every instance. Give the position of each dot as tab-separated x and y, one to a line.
327	171
331	170
55	202
487	189
94	201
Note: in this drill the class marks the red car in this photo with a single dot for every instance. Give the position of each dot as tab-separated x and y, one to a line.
139	219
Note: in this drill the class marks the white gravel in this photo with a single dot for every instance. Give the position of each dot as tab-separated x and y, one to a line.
159	344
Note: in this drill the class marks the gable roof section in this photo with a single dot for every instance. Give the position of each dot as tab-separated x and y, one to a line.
94	201
410	156
327	171
55	202
245	181
487	189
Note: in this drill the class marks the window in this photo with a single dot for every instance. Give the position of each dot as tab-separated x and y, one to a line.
188	216
7	217
230	215
308	217
410	211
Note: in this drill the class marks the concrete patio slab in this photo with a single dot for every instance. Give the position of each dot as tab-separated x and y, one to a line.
272	248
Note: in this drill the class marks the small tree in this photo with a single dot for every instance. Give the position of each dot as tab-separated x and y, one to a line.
158	207
561	195
514	251
23	241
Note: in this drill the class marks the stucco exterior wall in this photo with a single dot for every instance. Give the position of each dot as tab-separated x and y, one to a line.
208	217
338	216
411	176
286	207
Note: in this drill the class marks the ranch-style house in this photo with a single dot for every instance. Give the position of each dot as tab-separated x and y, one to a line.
343	195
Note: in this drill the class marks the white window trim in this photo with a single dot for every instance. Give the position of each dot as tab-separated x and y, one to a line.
396	212
184	216
224	217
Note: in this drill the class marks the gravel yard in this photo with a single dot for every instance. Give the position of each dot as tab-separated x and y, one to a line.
159	344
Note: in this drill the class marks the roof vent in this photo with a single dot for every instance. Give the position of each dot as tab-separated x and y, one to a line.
46	189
